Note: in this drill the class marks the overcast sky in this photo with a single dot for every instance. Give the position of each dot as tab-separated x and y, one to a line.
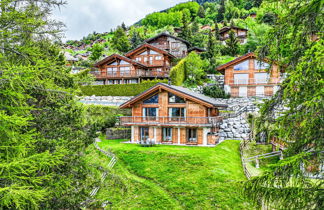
85	16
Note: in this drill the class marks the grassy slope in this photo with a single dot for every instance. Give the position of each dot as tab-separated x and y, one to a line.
173	177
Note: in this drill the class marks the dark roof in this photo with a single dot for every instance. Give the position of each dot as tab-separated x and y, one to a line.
151	47
186	91
227	28
236	60
167	34
197	48
120	57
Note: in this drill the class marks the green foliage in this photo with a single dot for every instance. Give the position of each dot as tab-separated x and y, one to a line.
120	41
232	45
185	32
201	12
119	90
192	7
84	77
215	91
96	52
173	177
189	71
221	11
160	20
300	126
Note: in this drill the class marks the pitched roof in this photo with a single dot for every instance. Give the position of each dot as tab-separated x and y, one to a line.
169	35
114	56
235	61
185	92
146	45
227	28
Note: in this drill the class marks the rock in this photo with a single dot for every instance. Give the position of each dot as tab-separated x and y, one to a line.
230	135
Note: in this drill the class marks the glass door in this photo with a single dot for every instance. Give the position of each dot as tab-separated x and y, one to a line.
144	133
167	135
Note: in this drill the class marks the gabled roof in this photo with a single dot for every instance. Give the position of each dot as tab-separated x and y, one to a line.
235	61
146	45
167	34
227	28
177	90
116	56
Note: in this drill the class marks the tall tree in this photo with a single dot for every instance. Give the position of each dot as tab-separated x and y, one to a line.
201	12
221	11
300	126
185	30
96	52
136	39
120	41
217	34
232	45
123	26
210	53
42	129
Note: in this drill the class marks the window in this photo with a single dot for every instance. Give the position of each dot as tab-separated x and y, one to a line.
111	70
259	91
123	62
177	114
152	100
144	133
125	70
242	66
145	59
152	52
175	45
175	99
150	113
139	59
192	135
261	77
144	53
259	65
167	134
113	64
158	58
151	59
241	79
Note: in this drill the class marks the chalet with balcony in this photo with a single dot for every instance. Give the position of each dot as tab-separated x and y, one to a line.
174	45
240	33
175	115
246	76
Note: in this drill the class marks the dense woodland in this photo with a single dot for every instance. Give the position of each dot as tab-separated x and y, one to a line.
44	130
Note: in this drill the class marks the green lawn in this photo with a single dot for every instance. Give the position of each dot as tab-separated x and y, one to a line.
173	177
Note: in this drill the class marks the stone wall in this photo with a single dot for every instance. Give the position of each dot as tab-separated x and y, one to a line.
105	100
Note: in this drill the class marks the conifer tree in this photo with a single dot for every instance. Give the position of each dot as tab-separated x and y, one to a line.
201	12
185	32
123	26
217	34
136	40
221	11
232	45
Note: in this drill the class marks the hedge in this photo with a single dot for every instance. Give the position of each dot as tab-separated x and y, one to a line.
118	90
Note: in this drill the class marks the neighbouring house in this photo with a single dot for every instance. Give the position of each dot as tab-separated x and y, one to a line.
251	15
246	76
144	62
198	50
240	33
174	45
175	115
206	27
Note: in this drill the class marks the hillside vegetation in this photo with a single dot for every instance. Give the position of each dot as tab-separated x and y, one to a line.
172	177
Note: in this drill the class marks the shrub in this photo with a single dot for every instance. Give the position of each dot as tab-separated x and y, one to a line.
215	92
119	90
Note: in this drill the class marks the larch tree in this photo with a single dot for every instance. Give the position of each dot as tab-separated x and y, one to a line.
297	44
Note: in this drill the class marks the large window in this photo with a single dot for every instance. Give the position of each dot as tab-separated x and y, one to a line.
242	66
241	79
125	70
175	99
261	77
112	70
158	58
167	134
177	114
144	133
192	135
259	65
152	100
150	113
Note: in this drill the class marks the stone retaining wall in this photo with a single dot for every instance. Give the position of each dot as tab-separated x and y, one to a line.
105	100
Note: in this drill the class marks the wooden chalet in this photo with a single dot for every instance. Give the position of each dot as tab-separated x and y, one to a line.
240	33
246	76
175	115
174	45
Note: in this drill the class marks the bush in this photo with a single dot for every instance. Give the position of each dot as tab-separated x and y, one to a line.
215	92
119	90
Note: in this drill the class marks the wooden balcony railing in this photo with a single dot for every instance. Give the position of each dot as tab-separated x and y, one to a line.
130	74
255	81
178	121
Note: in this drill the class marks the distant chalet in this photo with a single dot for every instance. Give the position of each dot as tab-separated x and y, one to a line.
240	33
148	61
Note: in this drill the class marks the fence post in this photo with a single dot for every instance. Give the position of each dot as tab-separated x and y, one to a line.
257	163
281	155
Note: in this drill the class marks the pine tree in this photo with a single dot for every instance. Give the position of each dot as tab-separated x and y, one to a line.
221	11
201	12
232	45
210	53
136	40
217	34
120	41
123	26
185	32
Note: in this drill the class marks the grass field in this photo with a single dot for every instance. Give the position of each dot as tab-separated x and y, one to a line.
172	177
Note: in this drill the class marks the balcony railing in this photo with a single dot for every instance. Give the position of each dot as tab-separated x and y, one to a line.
171	121
138	73
255	81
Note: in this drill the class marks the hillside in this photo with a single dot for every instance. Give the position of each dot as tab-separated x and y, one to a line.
172	177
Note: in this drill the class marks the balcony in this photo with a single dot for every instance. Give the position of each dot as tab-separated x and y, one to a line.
171	121
129	74
268	81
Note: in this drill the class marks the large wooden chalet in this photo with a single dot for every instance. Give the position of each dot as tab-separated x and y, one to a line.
175	115
148	61
240	33
246	76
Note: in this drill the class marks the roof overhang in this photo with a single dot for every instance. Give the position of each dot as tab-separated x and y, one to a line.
115	57
148	46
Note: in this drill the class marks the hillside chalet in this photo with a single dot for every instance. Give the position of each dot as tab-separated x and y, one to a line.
240	33
151	60
174	45
175	115
245	76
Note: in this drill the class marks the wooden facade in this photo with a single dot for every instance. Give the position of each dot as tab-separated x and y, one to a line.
247	77
168	115
240	33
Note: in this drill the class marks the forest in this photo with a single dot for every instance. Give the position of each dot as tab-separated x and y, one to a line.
45	131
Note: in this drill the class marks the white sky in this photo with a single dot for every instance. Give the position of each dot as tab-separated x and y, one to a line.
82	17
